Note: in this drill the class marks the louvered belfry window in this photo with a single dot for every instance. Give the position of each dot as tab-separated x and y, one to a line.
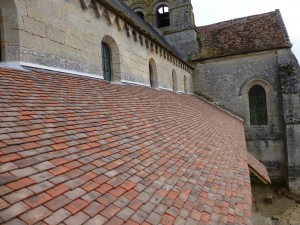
258	106
106	62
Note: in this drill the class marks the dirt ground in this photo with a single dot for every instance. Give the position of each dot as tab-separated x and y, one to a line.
282	211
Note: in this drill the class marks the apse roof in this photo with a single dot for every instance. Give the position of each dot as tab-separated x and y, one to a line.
80	150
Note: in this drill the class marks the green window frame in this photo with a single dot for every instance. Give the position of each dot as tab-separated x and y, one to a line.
106	62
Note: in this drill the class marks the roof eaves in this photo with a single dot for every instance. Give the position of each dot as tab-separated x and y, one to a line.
258	169
198	58
265	181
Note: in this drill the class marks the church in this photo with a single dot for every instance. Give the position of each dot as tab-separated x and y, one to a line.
125	112
246	66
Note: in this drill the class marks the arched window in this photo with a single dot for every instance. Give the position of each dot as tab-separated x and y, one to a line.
0	36
106	62
0	43
185	84
141	14
258	106
153	74
163	16
174	81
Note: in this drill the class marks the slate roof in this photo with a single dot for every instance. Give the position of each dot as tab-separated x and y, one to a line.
79	150
243	35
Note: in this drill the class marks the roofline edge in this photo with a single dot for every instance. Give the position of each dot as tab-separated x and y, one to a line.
220	108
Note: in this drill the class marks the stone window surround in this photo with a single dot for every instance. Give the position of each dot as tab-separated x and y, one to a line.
140	9
106	56
185	85
9	28
257	98
1	42
153	77
269	92
154	11
115	57
174	80
163	18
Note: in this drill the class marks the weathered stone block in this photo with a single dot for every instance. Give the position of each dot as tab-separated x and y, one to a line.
55	35
11	37
67	52
34	27
26	40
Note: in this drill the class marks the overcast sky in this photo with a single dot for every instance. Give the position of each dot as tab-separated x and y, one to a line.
213	11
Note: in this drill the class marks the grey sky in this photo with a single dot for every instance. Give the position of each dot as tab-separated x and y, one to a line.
213	11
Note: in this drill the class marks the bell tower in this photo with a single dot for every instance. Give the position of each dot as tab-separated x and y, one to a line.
174	18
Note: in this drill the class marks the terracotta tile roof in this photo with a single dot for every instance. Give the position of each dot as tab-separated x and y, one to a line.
258	169
80	150
243	35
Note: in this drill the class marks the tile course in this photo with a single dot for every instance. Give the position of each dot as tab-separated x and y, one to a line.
76	149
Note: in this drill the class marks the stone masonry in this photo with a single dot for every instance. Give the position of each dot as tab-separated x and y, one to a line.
235	55
68	35
181	31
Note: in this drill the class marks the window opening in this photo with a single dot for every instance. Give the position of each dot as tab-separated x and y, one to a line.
141	14
106	62
151	75
258	106
0	46
174	80
163	16
185	84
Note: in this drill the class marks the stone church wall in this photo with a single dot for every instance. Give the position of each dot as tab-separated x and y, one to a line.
289	72
65	35
227	81
181	31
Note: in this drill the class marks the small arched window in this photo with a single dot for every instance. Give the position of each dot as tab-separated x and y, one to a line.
174	81
185	84
0	46
151	75
106	62
141	14
258	106
163	16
